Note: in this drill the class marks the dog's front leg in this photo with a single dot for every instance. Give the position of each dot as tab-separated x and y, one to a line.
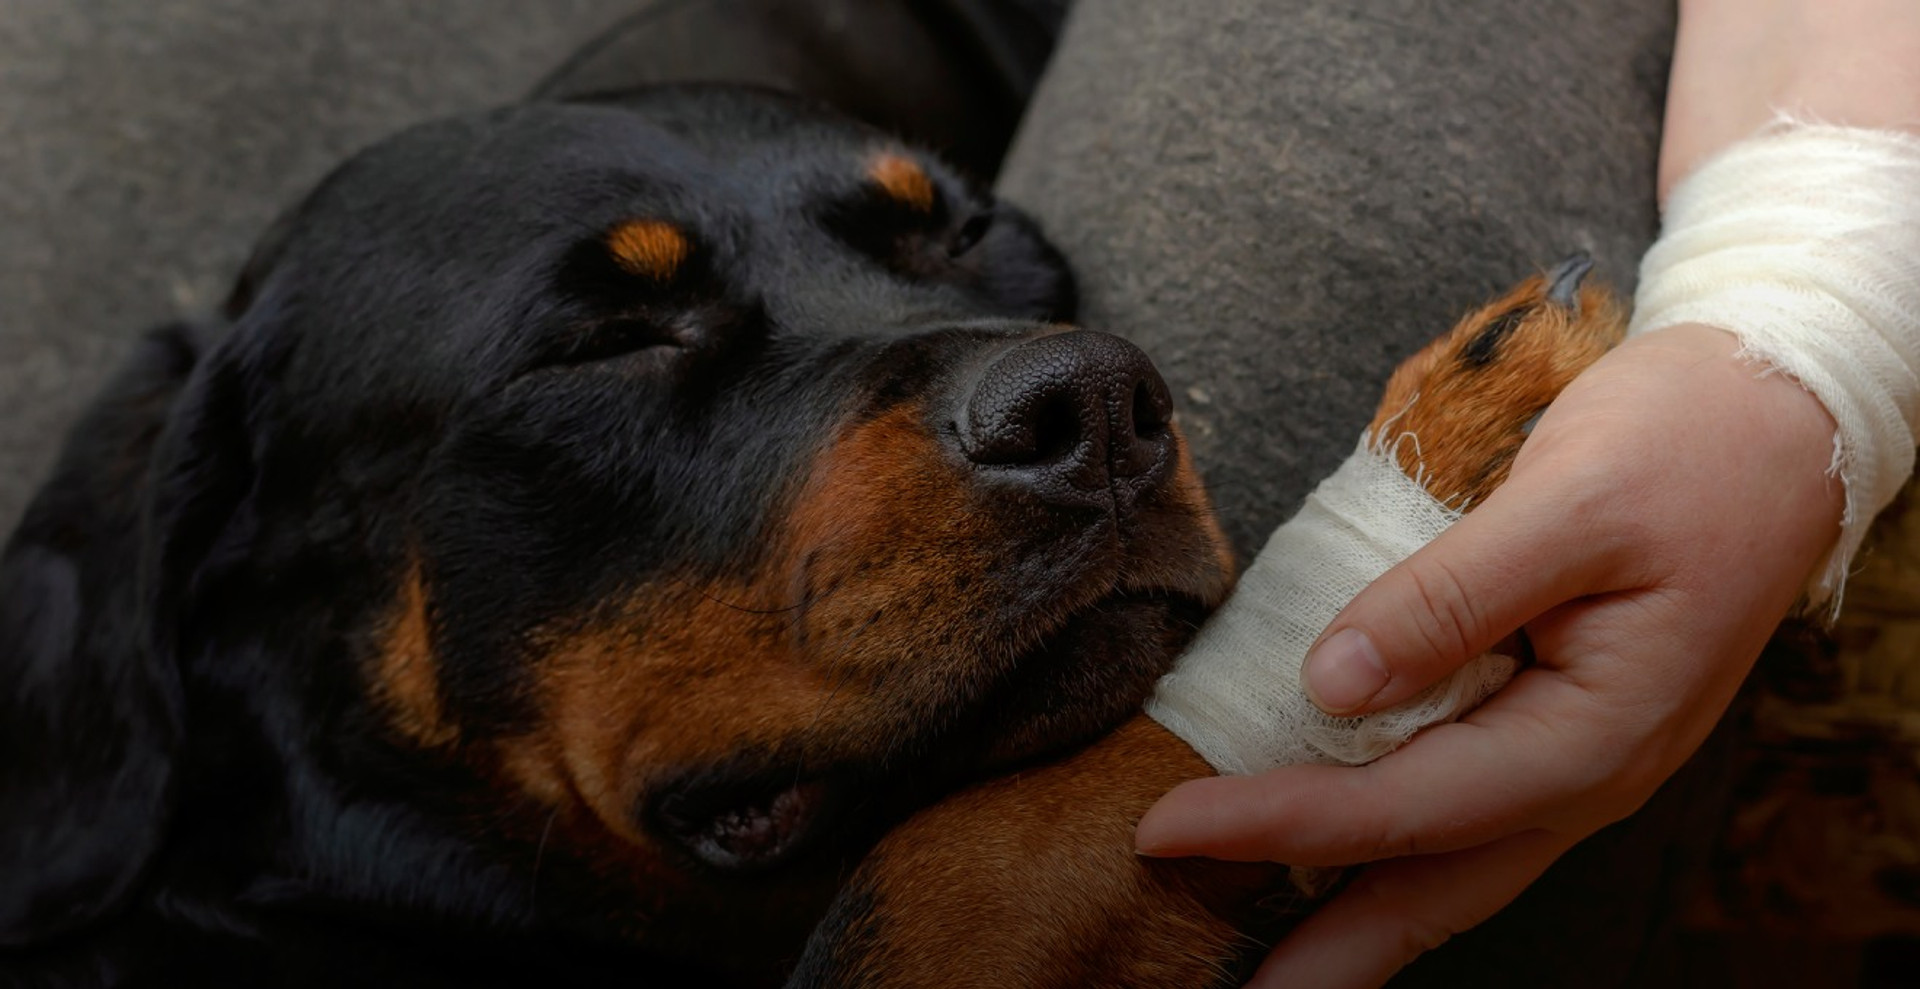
1030	880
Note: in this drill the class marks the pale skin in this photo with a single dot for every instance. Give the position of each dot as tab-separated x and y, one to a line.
1662	518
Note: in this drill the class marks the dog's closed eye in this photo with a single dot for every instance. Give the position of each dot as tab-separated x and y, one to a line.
612	338
970	234
904	218
640	286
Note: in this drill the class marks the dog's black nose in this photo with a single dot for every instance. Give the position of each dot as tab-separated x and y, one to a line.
1072	415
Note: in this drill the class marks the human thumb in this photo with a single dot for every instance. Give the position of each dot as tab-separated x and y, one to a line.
1449	602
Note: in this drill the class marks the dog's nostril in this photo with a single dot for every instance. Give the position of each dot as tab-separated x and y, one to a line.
1057	430
1152	412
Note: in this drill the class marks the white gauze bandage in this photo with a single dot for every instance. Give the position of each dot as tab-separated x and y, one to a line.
1804	242
1236	696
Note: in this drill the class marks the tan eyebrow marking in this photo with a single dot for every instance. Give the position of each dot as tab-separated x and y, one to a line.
649	248
903	179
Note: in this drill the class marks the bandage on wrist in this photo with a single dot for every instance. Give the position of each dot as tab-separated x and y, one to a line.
1804	243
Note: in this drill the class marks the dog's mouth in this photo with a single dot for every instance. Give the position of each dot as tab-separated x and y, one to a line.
1087	675
748	822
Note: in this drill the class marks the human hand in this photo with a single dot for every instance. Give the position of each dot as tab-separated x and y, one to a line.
1660	520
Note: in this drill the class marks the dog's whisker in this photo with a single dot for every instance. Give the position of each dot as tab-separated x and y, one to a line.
840	680
820	711
748	610
539	856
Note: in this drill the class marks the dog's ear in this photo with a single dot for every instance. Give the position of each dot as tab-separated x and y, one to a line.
90	708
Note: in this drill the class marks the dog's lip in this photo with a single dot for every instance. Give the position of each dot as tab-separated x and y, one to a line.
1113	599
1048	647
1173	616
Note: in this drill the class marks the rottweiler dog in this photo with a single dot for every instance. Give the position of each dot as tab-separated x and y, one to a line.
585	529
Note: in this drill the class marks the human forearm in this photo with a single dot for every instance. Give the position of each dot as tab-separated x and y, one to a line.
1737	62
1801	241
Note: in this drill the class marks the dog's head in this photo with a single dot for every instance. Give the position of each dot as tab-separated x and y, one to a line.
668	493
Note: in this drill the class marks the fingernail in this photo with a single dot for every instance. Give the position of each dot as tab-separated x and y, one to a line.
1149	849
1144	845
1345	672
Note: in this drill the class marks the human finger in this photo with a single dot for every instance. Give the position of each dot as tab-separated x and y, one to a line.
1537	749
1520	554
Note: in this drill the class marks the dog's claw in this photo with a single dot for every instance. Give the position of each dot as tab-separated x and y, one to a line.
1563	282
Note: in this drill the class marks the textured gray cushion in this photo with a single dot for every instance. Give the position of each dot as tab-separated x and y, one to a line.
148	144
1279	200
